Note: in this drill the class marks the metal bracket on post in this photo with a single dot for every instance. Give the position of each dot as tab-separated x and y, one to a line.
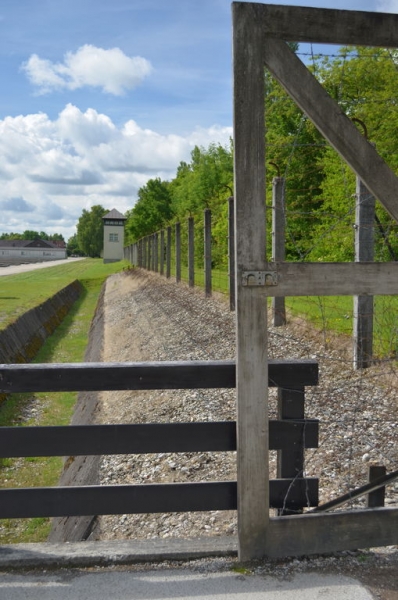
259	278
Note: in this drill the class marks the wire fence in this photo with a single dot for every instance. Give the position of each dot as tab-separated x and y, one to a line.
313	217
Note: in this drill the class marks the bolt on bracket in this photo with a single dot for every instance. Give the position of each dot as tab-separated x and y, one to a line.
259	278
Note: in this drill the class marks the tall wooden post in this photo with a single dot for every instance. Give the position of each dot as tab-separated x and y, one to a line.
250	256
178	251
156	252
161	258
278	243
168	253
191	252
144	253
207	251
231	253
153	250
364	252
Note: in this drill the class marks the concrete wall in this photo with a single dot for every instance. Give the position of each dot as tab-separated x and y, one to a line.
20	341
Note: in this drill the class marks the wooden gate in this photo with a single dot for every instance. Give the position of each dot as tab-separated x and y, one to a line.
260	33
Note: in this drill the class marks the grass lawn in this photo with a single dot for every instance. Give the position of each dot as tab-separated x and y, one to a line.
67	344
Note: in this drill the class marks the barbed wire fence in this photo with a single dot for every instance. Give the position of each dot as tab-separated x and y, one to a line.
354	339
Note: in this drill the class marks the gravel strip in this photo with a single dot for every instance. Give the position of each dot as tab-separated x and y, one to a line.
150	318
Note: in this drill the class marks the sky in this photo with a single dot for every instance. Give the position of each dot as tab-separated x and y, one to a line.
98	96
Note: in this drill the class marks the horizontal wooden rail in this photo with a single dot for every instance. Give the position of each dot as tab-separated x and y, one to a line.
145	438
330	532
145	376
149	498
333	279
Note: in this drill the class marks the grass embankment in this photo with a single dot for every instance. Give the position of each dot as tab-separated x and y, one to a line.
67	344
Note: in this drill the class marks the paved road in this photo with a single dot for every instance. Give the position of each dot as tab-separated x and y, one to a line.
182	583
134	570
15	269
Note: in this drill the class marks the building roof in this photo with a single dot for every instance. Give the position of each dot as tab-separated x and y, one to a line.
27	244
114	214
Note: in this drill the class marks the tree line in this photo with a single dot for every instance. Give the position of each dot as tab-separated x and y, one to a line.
29	234
319	186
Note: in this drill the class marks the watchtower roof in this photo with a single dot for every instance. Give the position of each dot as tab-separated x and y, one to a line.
114	214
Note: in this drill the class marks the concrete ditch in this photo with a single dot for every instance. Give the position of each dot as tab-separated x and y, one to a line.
21	340
82	470
19	343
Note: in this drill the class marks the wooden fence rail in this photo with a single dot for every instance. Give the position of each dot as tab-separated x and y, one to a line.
286	436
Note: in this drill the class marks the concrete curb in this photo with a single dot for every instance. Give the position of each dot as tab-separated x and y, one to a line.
90	554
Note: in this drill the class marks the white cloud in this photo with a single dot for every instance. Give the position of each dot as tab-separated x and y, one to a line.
111	70
55	168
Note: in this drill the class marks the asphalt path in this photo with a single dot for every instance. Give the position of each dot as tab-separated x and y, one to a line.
15	269
166	584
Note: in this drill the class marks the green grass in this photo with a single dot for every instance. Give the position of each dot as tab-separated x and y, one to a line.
19	293
328	314
334	314
67	344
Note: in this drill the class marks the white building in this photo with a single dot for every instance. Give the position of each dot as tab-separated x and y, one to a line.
16	252
113	236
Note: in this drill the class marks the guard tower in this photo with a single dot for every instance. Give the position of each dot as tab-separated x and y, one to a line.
113	236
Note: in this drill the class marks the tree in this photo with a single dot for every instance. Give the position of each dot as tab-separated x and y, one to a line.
90	231
319	186
293	151
364	82
72	247
151	211
32	235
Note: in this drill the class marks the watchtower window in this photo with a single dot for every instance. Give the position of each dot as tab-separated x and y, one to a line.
113	237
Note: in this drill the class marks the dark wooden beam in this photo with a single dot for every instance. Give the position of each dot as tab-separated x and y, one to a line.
332	532
324	26
144	376
149	498
86	440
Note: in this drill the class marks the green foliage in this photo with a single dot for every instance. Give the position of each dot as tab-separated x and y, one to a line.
206	182
319	187
72	247
364	82
90	231
151	211
203	183
33	235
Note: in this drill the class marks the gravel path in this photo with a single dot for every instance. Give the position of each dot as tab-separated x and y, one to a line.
150	318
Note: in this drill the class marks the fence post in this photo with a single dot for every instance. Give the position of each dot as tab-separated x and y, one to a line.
156	252
231	253
278	243
168	253
250	255
207	249
191	252
364	252
143	242
149	250
290	461
376	498
178	251
161	266
153	251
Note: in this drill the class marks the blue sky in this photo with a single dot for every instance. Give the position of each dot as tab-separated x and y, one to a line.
97	96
